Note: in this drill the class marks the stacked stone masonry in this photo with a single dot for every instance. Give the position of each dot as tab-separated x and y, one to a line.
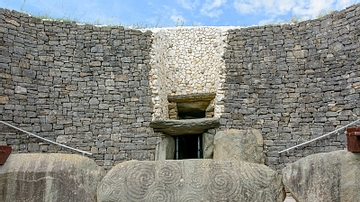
80	85
186	61
97	88
295	83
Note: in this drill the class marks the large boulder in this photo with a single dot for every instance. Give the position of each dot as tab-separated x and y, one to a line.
49	177
190	180
321	177
239	145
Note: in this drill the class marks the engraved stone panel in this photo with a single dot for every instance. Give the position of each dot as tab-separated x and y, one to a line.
332	176
190	180
49	177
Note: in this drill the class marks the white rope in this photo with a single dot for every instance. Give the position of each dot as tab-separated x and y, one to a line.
62	145
304	143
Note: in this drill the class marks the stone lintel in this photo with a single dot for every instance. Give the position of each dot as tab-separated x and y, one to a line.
185	126
192	97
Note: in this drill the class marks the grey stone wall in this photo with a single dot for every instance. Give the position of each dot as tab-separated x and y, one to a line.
295	82
88	86
81	85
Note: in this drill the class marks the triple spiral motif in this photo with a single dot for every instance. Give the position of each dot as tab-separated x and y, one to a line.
191	180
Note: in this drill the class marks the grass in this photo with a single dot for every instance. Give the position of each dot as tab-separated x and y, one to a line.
324	13
47	16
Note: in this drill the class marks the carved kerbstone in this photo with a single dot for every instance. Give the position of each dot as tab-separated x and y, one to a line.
190	180
49	177
332	176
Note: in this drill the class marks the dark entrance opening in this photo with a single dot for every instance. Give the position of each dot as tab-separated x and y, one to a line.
188	147
192	110
193	106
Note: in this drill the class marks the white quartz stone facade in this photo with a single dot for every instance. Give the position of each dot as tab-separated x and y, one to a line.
185	61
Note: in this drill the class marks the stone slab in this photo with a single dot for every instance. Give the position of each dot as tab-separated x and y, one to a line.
49	177
239	145
165	149
332	176
190	180
192	97
185	126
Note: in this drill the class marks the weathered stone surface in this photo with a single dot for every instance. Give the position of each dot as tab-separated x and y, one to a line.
350	181
184	127
239	145
49	177
165	149
330	176
208	145
4	99
190	180
192	97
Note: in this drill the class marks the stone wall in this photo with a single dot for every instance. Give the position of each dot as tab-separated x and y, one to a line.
187	61
81	85
294	83
98	88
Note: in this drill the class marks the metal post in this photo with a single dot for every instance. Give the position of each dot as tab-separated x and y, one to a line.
198	147
176	147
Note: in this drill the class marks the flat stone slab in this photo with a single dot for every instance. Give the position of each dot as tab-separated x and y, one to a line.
192	97
185	126
49	177
239	145
191	180
332	176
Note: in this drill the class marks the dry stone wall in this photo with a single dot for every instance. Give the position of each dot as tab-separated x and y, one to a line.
98	88
80	85
187	61
294	83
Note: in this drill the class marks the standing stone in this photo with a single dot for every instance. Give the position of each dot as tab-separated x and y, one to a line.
330	176
190	180
49	177
239	145
165	149
208	145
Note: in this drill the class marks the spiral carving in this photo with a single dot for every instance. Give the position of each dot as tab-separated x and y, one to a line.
223	184
170	173
197	180
106	188
160	194
189	181
138	180
191	197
